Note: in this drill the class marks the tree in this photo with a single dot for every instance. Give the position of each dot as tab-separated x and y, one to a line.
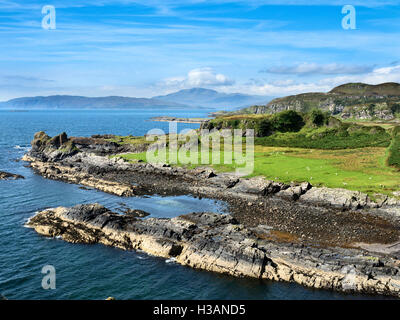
287	121
318	117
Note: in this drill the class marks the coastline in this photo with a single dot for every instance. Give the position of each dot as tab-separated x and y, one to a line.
272	217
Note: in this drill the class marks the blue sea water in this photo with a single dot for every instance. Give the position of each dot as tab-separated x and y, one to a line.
97	271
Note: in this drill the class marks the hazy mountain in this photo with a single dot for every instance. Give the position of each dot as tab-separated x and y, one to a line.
79	102
351	100
213	99
197	97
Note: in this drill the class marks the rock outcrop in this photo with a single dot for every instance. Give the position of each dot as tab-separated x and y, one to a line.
71	174
10	176
218	243
57	148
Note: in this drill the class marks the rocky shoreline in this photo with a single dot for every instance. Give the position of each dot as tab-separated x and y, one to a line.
218	243
317	237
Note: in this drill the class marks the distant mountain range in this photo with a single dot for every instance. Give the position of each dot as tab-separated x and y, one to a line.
213	99
193	98
79	102
351	100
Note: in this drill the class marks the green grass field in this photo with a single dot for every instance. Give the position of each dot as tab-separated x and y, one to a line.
361	169
333	154
357	169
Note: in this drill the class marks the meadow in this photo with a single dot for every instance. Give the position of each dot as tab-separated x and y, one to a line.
334	154
362	169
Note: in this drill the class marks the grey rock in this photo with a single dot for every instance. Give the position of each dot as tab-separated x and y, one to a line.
219	243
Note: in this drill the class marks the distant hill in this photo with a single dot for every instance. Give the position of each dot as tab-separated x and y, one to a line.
79	102
368	90
192	98
351	100
213	99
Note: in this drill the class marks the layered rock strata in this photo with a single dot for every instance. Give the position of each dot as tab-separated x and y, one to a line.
218	243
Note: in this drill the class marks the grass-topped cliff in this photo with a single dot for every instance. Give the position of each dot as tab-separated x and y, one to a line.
352	100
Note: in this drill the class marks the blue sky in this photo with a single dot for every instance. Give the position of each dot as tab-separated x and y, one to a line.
149	47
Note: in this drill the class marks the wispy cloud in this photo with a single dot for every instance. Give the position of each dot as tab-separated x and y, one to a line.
25	79
314	68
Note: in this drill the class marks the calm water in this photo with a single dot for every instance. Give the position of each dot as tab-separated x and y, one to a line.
96	271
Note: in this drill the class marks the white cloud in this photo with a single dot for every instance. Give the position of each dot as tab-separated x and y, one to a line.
207	77
289	86
201	77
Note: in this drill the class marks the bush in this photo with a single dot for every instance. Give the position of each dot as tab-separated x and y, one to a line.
319	117
287	121
265	128
394	149
395	108
344	137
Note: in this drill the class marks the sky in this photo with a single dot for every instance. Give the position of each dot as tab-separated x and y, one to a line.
145	48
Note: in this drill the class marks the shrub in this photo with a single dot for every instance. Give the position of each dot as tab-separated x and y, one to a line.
287	121
318	117
394	148
395	108
265	128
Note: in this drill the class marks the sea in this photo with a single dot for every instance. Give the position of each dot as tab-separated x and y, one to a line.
96	272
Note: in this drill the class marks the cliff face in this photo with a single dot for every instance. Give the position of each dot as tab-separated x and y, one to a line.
353	100
219	243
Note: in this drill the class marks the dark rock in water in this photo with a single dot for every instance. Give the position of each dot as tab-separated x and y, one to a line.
3	297
10	176
84	188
